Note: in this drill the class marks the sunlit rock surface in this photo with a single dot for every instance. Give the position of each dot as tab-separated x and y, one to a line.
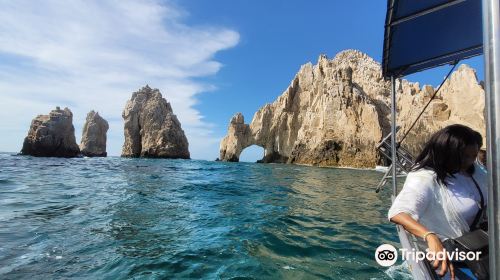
151	128
334	113
52	135
93	142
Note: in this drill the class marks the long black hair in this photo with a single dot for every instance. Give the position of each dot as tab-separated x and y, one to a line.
443	152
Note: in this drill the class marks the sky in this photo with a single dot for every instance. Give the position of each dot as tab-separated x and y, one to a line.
210	59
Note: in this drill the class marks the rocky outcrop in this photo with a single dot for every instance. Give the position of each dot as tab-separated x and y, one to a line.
93	142
238	137
52	135
335	112
460	100
151	128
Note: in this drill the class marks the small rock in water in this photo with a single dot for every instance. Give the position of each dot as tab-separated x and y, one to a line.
94	136
52	135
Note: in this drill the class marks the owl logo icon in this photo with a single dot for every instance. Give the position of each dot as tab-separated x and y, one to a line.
386	255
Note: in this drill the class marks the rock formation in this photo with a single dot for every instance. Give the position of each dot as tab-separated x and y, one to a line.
335	112
52	135
238	138
460	100
151	128
93	142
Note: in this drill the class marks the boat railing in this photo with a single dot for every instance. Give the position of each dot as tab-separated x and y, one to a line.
404	160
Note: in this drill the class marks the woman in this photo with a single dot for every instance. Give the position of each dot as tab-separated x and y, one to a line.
439	199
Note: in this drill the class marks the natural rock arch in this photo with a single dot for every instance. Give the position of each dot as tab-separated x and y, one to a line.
334	113
239	137
252	153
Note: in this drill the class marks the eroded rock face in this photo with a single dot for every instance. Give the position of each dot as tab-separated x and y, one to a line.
93	142
238	137
460	100
151	128
335	112
52	135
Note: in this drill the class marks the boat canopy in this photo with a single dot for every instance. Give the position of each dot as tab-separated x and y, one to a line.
426	34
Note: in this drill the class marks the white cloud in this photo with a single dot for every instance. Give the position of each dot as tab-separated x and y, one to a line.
93	54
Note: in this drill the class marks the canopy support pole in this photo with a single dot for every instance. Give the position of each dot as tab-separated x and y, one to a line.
393	138
491	41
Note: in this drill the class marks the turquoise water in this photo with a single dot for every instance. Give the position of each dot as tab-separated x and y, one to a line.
114	218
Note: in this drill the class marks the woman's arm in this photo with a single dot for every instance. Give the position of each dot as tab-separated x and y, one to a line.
410	224
433	241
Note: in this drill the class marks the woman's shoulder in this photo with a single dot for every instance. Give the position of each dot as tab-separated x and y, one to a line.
421	178
422	172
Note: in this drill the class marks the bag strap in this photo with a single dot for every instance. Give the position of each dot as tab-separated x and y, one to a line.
481	209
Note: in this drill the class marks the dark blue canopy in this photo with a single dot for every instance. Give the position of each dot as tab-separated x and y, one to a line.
421	34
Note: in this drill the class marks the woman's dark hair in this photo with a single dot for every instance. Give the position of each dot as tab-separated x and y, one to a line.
443	152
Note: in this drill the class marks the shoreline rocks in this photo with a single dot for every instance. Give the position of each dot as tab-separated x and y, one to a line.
52	135
93	142
151	128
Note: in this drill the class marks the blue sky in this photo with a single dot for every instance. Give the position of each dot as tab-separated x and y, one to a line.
210	59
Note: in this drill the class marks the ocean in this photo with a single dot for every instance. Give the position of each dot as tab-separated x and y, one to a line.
120	218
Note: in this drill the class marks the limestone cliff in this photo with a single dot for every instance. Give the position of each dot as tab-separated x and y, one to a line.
52	135
335	112
238	138
151	128
93	142
460	100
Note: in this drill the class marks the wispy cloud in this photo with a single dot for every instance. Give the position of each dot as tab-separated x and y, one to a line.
93	54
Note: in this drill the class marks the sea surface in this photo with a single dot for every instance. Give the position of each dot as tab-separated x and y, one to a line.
117	218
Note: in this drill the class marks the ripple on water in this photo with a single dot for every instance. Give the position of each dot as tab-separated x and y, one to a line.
120	218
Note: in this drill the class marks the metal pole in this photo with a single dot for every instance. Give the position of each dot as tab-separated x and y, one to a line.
393	137
491	47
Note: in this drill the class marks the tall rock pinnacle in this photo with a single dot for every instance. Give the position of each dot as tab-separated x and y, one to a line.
93	142
151	128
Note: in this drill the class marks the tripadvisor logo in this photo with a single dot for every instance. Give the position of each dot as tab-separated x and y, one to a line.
386	255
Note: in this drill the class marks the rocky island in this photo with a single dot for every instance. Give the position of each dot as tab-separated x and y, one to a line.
52	135
93	142
151	127
334	113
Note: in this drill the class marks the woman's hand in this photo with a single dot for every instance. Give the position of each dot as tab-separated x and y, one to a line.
436	246
433	241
